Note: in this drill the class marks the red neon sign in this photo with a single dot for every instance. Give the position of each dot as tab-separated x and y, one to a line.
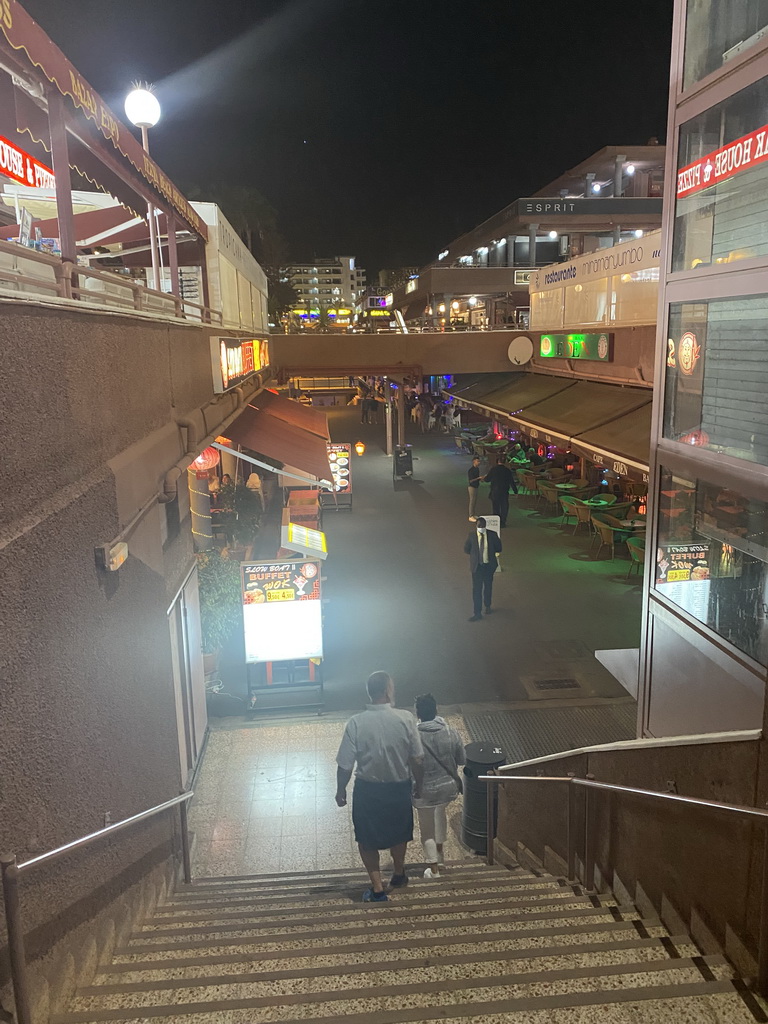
21	167
740	155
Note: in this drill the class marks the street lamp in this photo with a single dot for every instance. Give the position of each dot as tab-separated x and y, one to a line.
143	110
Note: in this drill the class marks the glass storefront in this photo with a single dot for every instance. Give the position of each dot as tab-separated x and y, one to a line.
718	31
717	376
721	212
712	559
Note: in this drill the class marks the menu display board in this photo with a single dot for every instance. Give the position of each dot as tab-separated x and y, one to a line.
340	460
300	538
282	611
682	575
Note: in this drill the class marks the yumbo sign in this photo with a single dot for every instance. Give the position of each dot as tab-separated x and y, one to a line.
21	167
595	347
721	164
282	611
233	360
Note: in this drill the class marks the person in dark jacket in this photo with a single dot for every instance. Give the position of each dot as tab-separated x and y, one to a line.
482	546
501	478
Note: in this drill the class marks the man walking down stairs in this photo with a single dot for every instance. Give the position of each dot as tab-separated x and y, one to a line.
488	946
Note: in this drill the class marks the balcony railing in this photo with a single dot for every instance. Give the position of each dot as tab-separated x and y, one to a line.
29	272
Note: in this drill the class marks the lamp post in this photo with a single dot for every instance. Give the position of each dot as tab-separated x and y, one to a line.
143	110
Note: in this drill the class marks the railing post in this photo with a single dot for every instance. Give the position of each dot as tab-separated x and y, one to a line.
571	832
589	843
185	858
15	929
762	941
490	793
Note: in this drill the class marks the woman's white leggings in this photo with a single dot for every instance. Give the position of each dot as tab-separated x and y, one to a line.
433	829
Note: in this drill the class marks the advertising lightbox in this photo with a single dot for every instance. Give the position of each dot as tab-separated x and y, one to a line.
282	611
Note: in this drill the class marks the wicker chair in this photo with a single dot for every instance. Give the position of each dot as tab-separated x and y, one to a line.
526	481
636	547
609	530
566	504
583	513
549	493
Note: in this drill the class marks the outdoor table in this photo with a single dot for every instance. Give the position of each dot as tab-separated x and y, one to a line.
567	487
634	524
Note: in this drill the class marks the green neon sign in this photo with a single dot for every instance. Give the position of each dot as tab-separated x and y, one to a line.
596	347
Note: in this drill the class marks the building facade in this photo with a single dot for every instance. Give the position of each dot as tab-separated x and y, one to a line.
323	287
480	279
705	646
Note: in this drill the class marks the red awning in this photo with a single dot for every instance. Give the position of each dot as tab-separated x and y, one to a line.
281	442
293	412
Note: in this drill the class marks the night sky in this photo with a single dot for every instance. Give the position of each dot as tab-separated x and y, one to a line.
378	129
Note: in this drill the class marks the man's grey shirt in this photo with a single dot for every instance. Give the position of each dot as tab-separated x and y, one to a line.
381	740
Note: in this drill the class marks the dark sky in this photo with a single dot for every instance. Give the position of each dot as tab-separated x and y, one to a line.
378	128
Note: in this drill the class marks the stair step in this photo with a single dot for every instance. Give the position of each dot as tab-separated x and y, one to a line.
438	1001
355	977
332	917
416	892
368	920
298	891
286	877
206	952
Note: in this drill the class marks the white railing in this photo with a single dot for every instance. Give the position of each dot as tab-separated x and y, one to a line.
29	272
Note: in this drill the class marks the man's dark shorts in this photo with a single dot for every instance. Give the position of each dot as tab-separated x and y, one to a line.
382	814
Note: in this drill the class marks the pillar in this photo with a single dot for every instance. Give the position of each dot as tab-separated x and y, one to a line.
510	250
401	413
618	174
173	256
230	464
204	275
200	508
532	229
448	299
60	160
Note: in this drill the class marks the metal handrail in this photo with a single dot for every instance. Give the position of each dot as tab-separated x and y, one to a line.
11	869
756	814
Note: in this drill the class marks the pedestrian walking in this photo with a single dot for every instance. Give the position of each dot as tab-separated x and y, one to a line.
432	419
482	546
473	487
384	743
443	754
501	479
365	405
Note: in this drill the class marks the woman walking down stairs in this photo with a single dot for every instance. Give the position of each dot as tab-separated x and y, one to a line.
486	945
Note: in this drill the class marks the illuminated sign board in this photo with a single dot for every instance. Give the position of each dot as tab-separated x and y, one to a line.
523	277
682	575
595	347
721	164
340	461
305	541
233	360
282	611
21	167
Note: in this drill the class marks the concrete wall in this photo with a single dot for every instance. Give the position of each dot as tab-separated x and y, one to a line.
87	405
704	866
455	352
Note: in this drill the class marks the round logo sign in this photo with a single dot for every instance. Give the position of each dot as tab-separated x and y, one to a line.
520	351
309	570
688	352
602	346
546	345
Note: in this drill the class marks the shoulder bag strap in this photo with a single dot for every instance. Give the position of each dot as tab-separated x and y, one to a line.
448	771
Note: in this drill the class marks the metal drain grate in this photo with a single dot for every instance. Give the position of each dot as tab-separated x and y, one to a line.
538	731
556	684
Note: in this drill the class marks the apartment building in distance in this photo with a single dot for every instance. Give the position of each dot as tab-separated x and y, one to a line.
326	289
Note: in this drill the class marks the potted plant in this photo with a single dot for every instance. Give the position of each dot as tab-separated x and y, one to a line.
220	603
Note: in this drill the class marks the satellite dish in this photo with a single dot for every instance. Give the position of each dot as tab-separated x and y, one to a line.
520	350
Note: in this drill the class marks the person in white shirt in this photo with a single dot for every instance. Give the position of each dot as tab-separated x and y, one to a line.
384	744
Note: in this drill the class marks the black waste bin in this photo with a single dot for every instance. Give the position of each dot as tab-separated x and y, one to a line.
481	758
403	461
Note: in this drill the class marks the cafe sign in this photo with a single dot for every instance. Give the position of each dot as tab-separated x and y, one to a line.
593	347
234	360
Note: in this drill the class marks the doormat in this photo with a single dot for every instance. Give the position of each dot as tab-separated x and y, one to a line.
526	734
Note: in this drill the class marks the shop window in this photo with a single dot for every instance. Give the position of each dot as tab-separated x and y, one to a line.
712	559
717	375
716	31
721	211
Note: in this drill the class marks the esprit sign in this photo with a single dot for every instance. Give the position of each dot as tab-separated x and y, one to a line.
235	359
16	164
746	152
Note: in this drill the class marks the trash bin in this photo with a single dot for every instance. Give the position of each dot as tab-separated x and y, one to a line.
481	758
403	463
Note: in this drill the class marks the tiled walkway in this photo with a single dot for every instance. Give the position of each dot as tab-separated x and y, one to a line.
264	802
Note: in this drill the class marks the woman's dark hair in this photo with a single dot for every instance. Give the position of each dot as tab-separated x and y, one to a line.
426	707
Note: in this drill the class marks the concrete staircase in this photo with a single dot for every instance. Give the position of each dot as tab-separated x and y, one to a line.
483	945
